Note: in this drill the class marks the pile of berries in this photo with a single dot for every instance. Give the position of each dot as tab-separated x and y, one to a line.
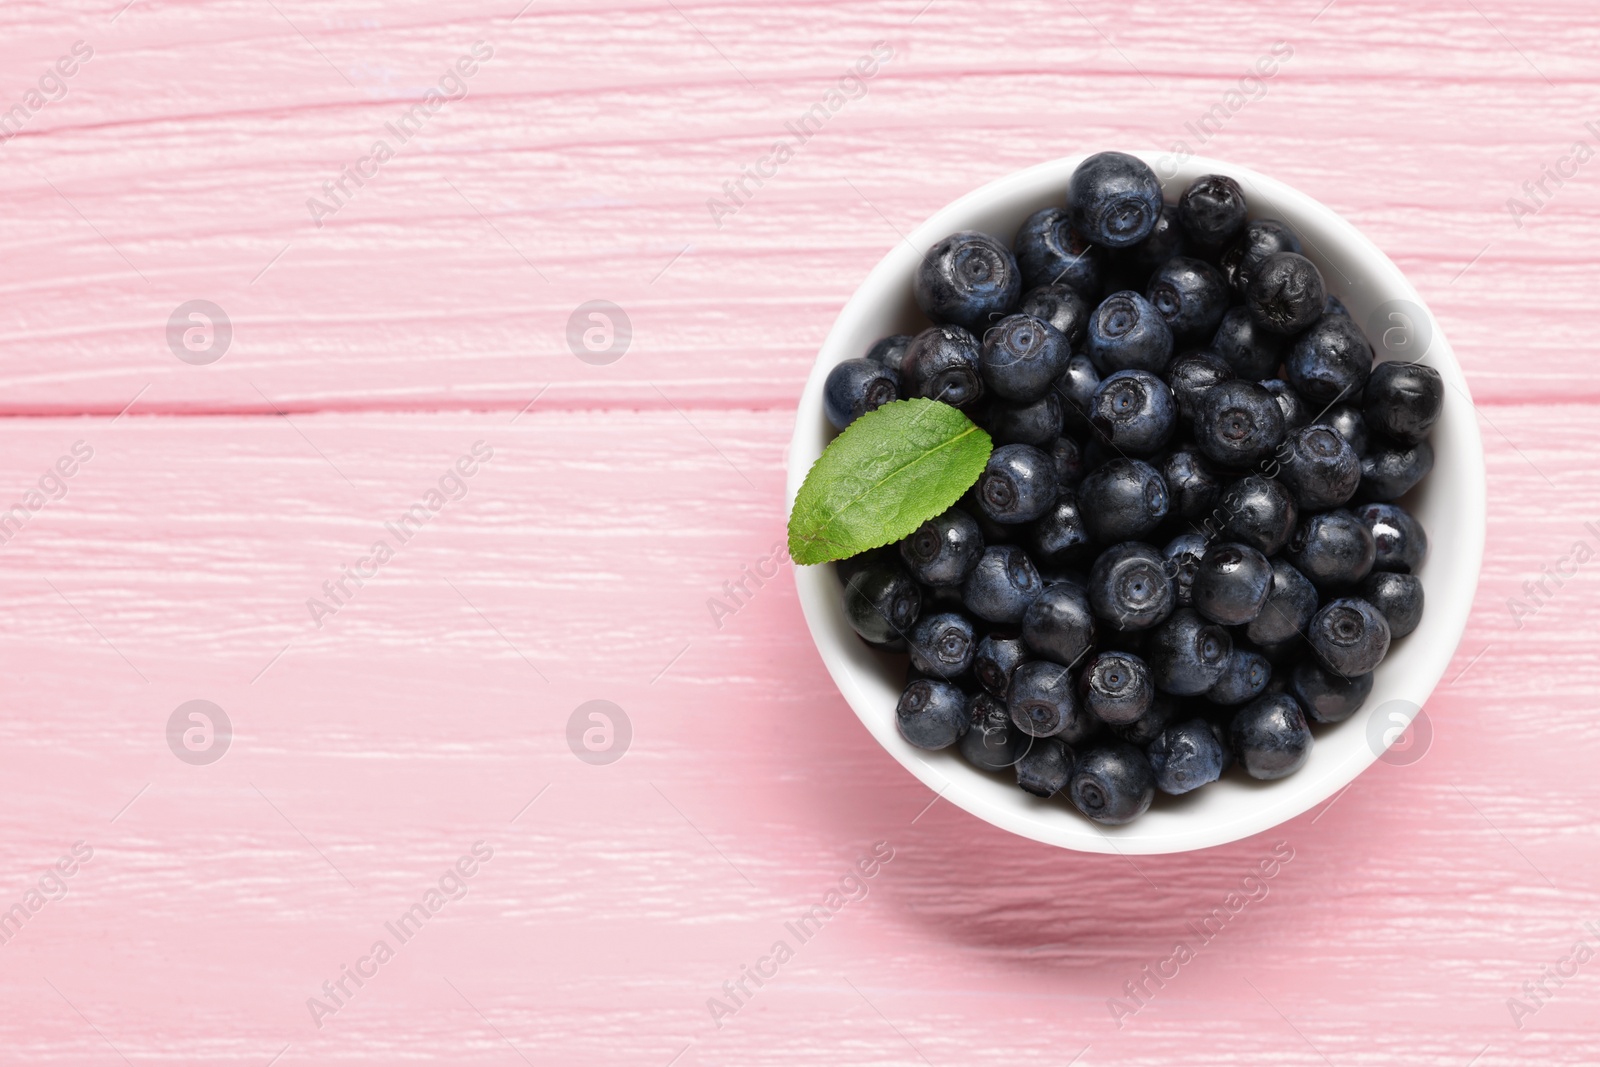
1185	548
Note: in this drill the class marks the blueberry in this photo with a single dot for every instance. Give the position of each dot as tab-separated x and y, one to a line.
1319	467
1059	625
932	714
1045	767
1401	542
1252	352
1069	461
997	658
1129	587
992	742
1261	239
1037	424
1059	537
1334	549
942	363
1114	199
969	279
1398	596
1335	306
1122	500
1258	512
882	603
942	645
1136	262
1112	783
1186	757
1017	485
1285	294
1389	472
1021	358
1134	411
1269	737
1147	727
1002	585
1126	333
1403	400
1238	424
1187	654
1190	295
1219	730
1232	584
1245	678
1117	688
850	566
1288	609
1330	361
989	740
890	352
1183	555
856	387
1050	253
943	550
1295	412
1063	307
1327	697
1076	386
1191	483
1191	376
1042	704
1347	421
1212	210
1349	636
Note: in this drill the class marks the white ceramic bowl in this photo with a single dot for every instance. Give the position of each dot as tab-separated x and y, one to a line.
1450	504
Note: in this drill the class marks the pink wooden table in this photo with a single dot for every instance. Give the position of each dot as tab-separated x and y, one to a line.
396	764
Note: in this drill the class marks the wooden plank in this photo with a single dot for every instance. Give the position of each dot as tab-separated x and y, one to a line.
449	279
380	746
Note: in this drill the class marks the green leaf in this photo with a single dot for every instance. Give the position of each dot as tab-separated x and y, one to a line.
889	472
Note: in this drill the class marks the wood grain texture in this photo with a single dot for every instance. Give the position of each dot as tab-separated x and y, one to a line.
370	752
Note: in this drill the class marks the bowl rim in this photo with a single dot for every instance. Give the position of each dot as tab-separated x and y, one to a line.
1035	819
